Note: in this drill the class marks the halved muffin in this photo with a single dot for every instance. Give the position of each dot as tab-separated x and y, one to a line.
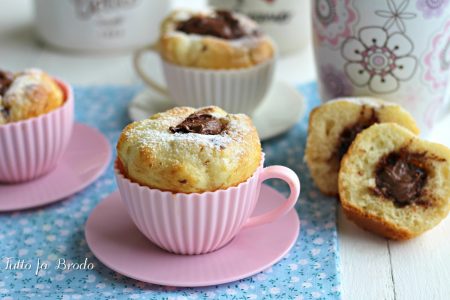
394	184
334	125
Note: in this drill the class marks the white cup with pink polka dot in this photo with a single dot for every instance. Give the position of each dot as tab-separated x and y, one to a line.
397	50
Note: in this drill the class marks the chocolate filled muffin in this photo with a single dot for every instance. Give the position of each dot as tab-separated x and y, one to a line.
394	184
27	94
187	150
213	40
334	125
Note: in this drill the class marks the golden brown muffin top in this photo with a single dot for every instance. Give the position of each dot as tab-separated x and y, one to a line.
27	94
189	150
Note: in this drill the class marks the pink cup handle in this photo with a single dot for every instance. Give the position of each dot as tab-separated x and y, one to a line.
290	178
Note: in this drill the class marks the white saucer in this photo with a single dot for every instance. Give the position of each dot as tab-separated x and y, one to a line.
281	109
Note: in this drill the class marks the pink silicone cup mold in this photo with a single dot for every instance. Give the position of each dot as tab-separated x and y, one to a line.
33	147
199	223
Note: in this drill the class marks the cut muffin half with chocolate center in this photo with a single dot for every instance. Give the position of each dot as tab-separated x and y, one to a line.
334	125
393	183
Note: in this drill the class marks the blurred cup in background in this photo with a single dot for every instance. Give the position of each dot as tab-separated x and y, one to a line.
286	21
99	25
392	49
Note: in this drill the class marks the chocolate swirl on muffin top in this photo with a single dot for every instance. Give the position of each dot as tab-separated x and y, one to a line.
199	123
222	25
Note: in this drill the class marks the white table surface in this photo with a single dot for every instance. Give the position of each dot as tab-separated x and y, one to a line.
371	267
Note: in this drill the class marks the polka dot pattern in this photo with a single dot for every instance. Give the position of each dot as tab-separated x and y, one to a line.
53	235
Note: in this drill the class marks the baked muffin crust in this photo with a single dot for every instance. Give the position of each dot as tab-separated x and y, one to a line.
27	94
213	40
394	184
174	151
334	125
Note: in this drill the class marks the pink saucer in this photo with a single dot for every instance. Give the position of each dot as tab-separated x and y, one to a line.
85	159
121	247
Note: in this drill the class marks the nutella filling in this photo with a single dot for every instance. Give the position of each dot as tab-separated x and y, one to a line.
349	134
6	79
222	25
199	123
400	178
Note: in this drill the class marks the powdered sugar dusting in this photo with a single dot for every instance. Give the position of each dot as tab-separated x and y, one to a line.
155	133
152	138
19	86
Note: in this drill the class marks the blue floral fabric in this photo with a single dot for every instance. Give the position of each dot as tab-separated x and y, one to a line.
55	234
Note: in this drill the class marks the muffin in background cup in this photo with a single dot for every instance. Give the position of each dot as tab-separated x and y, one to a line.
190	179
212	57
36	123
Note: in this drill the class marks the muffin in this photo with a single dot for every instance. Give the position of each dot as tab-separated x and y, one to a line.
213	40
334	125
187	150
190	178
36	121
27	94
394	184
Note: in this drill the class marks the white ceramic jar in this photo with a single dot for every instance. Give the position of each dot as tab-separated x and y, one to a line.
99	25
